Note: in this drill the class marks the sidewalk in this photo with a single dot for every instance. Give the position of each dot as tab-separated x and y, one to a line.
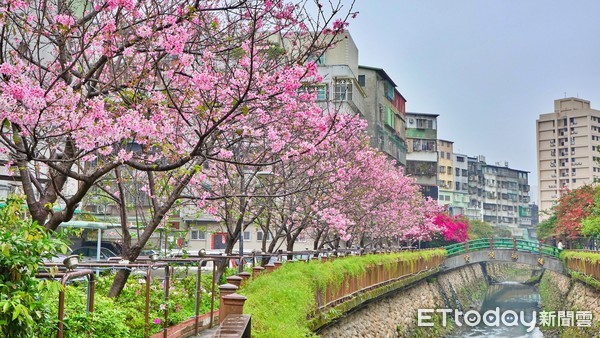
208	333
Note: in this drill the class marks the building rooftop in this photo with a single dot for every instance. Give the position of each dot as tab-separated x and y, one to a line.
423	114
506	167
381	72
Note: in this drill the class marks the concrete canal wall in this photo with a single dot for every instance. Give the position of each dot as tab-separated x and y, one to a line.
396	314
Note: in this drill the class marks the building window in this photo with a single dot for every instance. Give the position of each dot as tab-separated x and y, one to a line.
318	59
322	93
448	155
247	235
460	159
442	169
423	145
260	235
198	235
389	91
343	90
441	154
361	80
390	119
321	90
424	124
456	171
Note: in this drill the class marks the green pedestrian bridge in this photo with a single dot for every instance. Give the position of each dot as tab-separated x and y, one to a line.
503	250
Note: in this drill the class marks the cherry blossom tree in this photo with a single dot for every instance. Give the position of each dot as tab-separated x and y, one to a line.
164	88
356	194
272	197
454	228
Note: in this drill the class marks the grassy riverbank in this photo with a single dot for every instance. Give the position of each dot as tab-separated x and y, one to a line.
281	302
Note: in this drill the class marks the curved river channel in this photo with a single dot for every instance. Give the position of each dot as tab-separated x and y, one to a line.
505	296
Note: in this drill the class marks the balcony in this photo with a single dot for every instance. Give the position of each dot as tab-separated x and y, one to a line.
353	95
525	221
391	144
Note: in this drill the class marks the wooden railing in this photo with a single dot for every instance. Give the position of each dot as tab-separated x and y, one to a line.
374	276
585	265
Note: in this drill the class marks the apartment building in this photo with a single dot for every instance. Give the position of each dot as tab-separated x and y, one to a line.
476	187
339	88
501	194
567	149
445	172
385	113
460	194
422	156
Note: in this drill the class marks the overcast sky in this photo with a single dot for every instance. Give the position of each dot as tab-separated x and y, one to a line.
488	68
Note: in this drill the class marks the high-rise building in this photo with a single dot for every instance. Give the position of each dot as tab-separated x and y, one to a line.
567	149
422	157
460	195
445	172
501	194
385	112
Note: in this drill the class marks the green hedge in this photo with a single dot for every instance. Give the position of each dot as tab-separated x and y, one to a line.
567	254
280	302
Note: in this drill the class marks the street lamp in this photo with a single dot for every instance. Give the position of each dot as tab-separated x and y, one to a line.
252	175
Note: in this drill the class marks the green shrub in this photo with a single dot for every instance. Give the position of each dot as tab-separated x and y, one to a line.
23	247
124	316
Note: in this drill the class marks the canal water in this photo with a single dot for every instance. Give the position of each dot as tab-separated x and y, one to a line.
501	299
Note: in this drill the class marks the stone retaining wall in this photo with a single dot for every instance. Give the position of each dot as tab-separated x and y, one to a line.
561	293
396	314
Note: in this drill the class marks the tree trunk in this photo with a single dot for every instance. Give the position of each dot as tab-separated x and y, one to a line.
290	246
118	283
222	263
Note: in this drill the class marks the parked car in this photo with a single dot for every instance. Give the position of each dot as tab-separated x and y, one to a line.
112	246
90	253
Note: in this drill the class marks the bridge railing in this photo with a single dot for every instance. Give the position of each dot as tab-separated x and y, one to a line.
514	243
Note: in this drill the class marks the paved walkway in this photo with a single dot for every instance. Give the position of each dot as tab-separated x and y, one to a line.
206	333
